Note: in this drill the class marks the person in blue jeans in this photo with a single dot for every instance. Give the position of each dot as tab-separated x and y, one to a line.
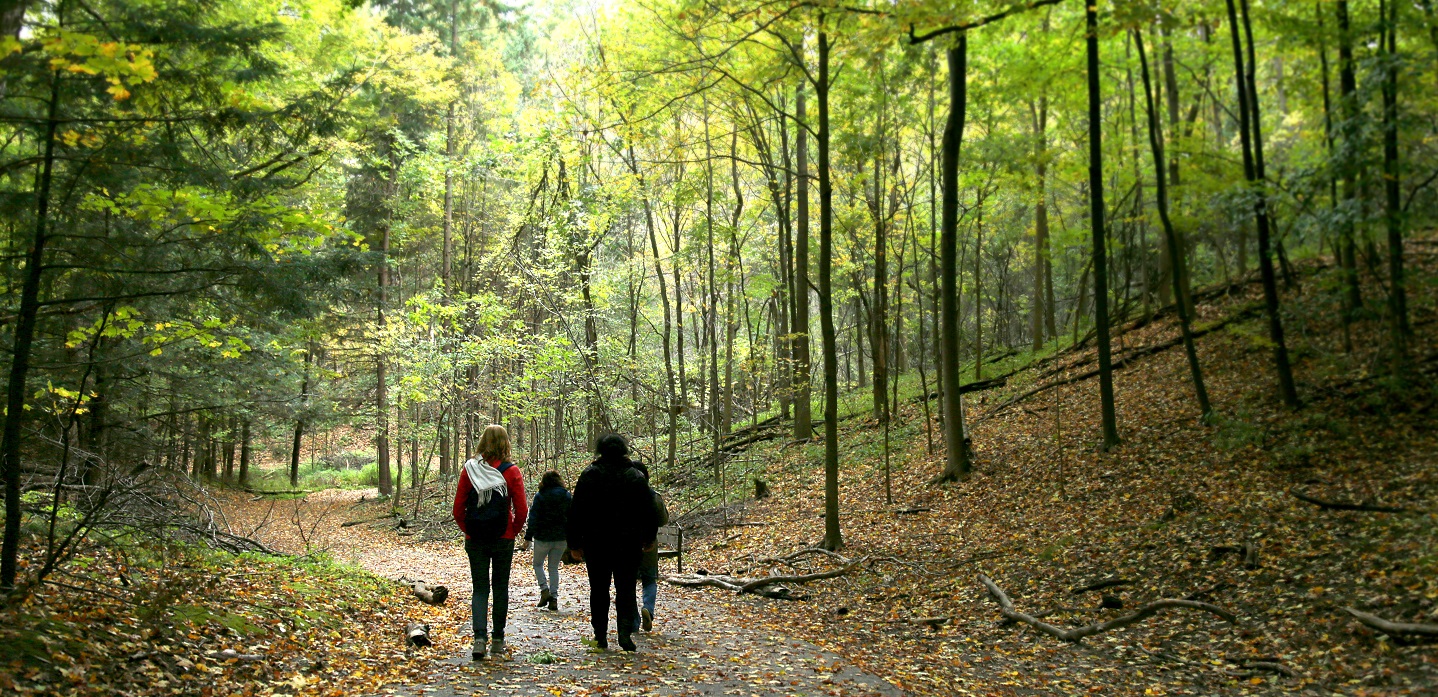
649	562
548	519
490	508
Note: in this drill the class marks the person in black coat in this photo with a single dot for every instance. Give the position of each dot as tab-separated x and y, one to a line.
611	520
548	519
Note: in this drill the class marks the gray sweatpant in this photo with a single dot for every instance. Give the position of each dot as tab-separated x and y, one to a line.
548	552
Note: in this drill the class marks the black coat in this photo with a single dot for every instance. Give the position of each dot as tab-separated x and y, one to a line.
549	515
613	508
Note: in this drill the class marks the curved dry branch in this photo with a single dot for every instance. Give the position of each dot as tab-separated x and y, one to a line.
1404	629
1006	607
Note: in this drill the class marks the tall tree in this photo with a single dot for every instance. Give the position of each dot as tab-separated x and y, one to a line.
1251	138
956	462
1097	229
833	538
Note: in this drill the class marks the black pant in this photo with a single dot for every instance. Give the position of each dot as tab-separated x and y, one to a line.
499	554
623	567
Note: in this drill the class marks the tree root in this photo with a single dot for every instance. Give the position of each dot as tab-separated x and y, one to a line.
1006	607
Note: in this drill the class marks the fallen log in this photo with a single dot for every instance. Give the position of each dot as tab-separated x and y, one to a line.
285	492
1402	629
233	655
1342	505
1120	361
1006	608
432	595
417	634
1100	585
352	523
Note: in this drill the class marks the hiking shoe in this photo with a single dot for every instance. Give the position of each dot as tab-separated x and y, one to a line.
601	643
646	618
626	642
477	653
554	603
545	598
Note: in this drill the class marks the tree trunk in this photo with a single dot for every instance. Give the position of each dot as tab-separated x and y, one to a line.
25	322
669	395
300	422
1350	129
1042	264
244	477
878	319
1397	292
803	425
1096	224
1251	135
1155	140
386	486
956	465
833	538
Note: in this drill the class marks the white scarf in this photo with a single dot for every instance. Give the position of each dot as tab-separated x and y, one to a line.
485	479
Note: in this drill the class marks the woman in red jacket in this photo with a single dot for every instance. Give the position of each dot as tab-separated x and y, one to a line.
489	507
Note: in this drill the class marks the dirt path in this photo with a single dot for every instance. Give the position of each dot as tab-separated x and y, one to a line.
698	647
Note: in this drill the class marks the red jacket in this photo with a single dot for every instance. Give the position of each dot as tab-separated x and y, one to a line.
518	507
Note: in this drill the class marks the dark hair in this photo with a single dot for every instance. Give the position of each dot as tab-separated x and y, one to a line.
551	478
611	445
643	469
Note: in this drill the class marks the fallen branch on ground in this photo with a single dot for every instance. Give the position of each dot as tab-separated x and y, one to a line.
1403	629
1120	361
1342	505
352	523
1100	585
761	584
1006	607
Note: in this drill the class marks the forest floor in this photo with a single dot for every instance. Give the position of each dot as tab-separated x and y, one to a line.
1179	510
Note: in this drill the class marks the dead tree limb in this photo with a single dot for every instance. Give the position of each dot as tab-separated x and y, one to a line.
431	595
1343	505
1006	607
1403	629
1100	585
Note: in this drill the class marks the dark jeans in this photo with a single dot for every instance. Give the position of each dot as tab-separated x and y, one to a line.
623	568
498	554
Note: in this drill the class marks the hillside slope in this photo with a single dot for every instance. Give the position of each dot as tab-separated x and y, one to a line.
1180	510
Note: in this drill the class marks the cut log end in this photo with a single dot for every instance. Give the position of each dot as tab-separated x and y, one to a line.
417	634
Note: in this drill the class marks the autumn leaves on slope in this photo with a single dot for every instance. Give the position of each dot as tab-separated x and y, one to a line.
1274	518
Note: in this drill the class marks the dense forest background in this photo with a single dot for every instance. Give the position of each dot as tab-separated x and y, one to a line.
252	241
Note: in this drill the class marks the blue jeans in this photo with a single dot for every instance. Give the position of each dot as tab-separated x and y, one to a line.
485	558
548	552
649	585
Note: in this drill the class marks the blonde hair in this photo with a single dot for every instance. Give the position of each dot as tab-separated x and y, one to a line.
494	443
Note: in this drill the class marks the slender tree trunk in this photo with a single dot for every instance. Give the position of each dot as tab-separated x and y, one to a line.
25	321
1042	264
979	288
833	538
878	321
1155	140
1251	135
1397	291
244	477
1347	167
1096	224
803	405
386	486
956	465
669	392
300	422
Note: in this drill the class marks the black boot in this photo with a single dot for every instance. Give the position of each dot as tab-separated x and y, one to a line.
546	599
626	642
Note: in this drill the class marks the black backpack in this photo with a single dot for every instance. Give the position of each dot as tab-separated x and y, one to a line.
487	522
